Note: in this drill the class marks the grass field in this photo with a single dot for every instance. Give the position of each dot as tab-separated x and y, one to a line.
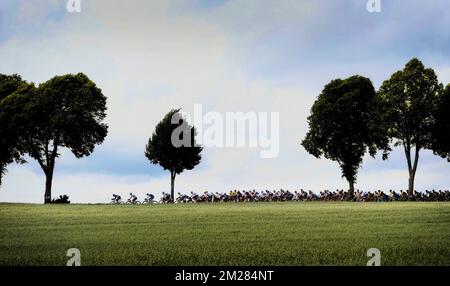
226	234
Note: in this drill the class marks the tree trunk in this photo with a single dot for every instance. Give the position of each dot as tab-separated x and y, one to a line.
48	187
411	186
351	188
48	168
2	171
172	185
412	168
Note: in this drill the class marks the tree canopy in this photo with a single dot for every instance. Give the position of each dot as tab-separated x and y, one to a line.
441	131
10	133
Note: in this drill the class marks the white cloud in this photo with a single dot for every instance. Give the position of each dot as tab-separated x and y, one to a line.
444	75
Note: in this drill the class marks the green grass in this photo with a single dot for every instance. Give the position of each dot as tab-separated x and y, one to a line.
226	234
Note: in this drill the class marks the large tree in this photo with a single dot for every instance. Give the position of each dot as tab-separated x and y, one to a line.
410	99
10	134
343	125
173	147
64	112
441	130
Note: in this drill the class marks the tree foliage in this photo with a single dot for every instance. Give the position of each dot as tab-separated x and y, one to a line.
162	150
344	125
441	130
69	111
10	135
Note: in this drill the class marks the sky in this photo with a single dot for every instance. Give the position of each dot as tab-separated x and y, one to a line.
230	56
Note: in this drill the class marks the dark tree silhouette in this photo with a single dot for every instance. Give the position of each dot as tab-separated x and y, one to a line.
66	111
441	130
10	136
344	124
173	146
410	99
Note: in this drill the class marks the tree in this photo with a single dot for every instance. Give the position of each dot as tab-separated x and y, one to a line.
410	98
64	112
343	125
173	146
9	135
441	130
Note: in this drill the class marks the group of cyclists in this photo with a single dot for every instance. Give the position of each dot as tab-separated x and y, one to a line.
285	195
326	195
133	200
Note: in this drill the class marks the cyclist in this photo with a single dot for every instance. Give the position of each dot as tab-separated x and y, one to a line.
116	199
132	198
150	198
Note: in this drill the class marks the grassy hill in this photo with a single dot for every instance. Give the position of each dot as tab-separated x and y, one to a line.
312	233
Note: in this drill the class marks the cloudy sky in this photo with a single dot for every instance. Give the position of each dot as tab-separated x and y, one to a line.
230	56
